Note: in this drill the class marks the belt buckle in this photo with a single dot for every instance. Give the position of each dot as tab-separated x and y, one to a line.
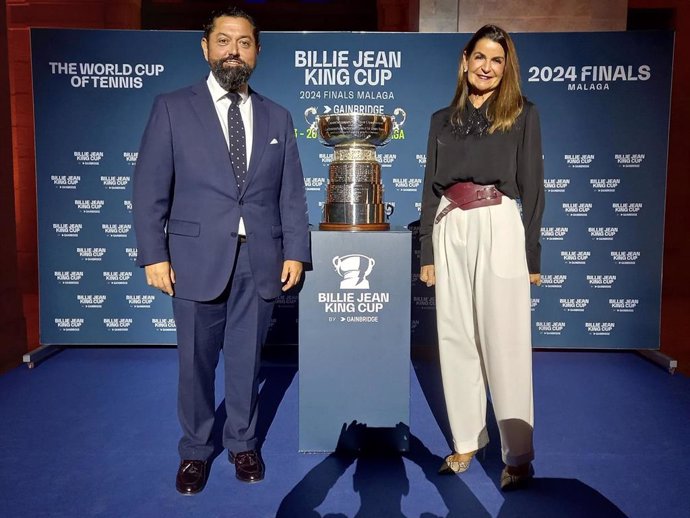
487	193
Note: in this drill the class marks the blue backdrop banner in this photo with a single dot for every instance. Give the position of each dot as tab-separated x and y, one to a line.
604	101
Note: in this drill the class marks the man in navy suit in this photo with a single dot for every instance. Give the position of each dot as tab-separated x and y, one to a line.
223	238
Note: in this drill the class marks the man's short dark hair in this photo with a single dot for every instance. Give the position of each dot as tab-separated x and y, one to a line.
233	12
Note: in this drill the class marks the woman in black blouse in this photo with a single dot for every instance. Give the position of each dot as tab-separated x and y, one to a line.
481	250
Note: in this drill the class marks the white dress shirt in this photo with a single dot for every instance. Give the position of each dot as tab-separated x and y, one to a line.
222	104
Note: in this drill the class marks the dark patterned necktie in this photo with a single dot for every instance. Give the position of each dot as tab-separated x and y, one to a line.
237	139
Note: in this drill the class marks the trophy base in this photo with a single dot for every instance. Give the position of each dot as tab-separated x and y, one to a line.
348	227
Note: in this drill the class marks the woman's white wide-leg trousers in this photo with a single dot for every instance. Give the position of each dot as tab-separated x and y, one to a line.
484	331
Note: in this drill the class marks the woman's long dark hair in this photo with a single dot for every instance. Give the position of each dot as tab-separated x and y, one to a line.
506	103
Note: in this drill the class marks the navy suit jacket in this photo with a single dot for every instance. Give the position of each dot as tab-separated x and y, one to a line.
187	205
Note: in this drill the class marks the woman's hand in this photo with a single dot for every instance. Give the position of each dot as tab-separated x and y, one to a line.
535	278
428	275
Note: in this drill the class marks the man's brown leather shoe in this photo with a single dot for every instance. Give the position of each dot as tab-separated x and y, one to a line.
249	466
191	476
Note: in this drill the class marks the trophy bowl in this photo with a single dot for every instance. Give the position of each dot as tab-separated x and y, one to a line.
354	194
336	129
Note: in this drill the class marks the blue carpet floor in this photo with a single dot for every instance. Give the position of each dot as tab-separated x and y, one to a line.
93	432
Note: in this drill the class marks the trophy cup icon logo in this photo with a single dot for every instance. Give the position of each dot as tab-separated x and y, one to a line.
354	269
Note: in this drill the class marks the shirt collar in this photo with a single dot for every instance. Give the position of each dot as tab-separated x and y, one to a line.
218	92
483	109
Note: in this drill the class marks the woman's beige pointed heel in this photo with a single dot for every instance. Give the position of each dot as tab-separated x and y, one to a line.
457	463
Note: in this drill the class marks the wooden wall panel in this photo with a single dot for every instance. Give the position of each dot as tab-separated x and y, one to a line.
12	325
523	15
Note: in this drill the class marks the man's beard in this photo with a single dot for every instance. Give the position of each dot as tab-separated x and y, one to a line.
233	77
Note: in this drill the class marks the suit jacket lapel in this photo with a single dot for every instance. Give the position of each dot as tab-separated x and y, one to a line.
260	124
213	133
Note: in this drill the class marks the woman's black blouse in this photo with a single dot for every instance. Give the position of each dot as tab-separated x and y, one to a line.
512	161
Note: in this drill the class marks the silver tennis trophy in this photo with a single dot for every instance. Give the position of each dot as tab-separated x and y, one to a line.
354	194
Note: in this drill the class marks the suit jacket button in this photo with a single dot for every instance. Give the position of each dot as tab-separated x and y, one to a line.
233	234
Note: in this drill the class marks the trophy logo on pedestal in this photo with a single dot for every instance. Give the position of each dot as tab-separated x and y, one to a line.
354	195
354	269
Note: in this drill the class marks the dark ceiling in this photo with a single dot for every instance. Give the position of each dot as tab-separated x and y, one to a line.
270	15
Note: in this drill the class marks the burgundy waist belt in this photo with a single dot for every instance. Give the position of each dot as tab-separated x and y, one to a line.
469	195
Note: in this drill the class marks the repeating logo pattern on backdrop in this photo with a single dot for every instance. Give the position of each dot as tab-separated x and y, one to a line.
605	179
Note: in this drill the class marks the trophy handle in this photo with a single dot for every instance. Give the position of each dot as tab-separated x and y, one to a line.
391	207
396	124
311	112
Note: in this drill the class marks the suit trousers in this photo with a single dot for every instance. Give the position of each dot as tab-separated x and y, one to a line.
235	323
484	330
